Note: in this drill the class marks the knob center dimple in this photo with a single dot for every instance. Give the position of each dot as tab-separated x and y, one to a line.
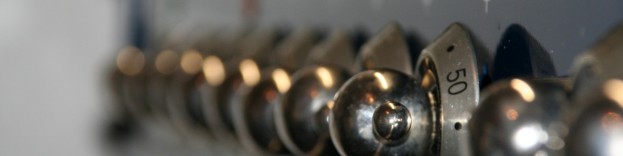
392	121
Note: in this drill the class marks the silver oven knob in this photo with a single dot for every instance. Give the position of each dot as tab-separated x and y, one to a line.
253	116
128	82
598	64
165	64
183	96
383	110
597	126
598	129
451	71
302	115
524	112
255	50
521	117
217	65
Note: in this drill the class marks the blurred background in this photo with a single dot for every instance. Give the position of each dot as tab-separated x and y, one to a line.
54	54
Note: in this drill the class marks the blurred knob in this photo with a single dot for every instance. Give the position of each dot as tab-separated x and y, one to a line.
164	64
194	86
597	126
174	67
598	129
183	95
254	118
128	81
255	50
218	63
598	64
301	117
521	116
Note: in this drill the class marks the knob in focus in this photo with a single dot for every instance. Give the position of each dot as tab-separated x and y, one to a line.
383	110
451	71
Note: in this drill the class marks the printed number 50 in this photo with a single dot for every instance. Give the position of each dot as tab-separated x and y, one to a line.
457	87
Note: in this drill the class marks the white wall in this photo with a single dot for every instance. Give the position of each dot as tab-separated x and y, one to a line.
52	55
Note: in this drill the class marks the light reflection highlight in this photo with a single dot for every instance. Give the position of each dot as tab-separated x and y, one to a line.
191	61
611	122
130	61
325	77
382	80
330	104
250	72
529	136
213	70
428	80
615	144
613	89
166	62
523	89
369	98
281	79
511	114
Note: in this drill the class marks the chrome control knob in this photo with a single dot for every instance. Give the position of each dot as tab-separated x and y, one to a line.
598	129
255	50
128	82
253	117
217	65
182	96
165	64
391	121
525	115
598	64
597	126
383	110
203	70
301	117
451	71
439	98
521	117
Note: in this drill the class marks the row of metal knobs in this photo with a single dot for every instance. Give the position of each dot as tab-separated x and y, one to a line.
305	93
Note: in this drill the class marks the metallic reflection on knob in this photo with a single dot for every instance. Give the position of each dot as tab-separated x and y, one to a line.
254	118
521	117
598	129
245	73
451	70
383	111
598	64
129	81
221	78
302	117
391	121
353	127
